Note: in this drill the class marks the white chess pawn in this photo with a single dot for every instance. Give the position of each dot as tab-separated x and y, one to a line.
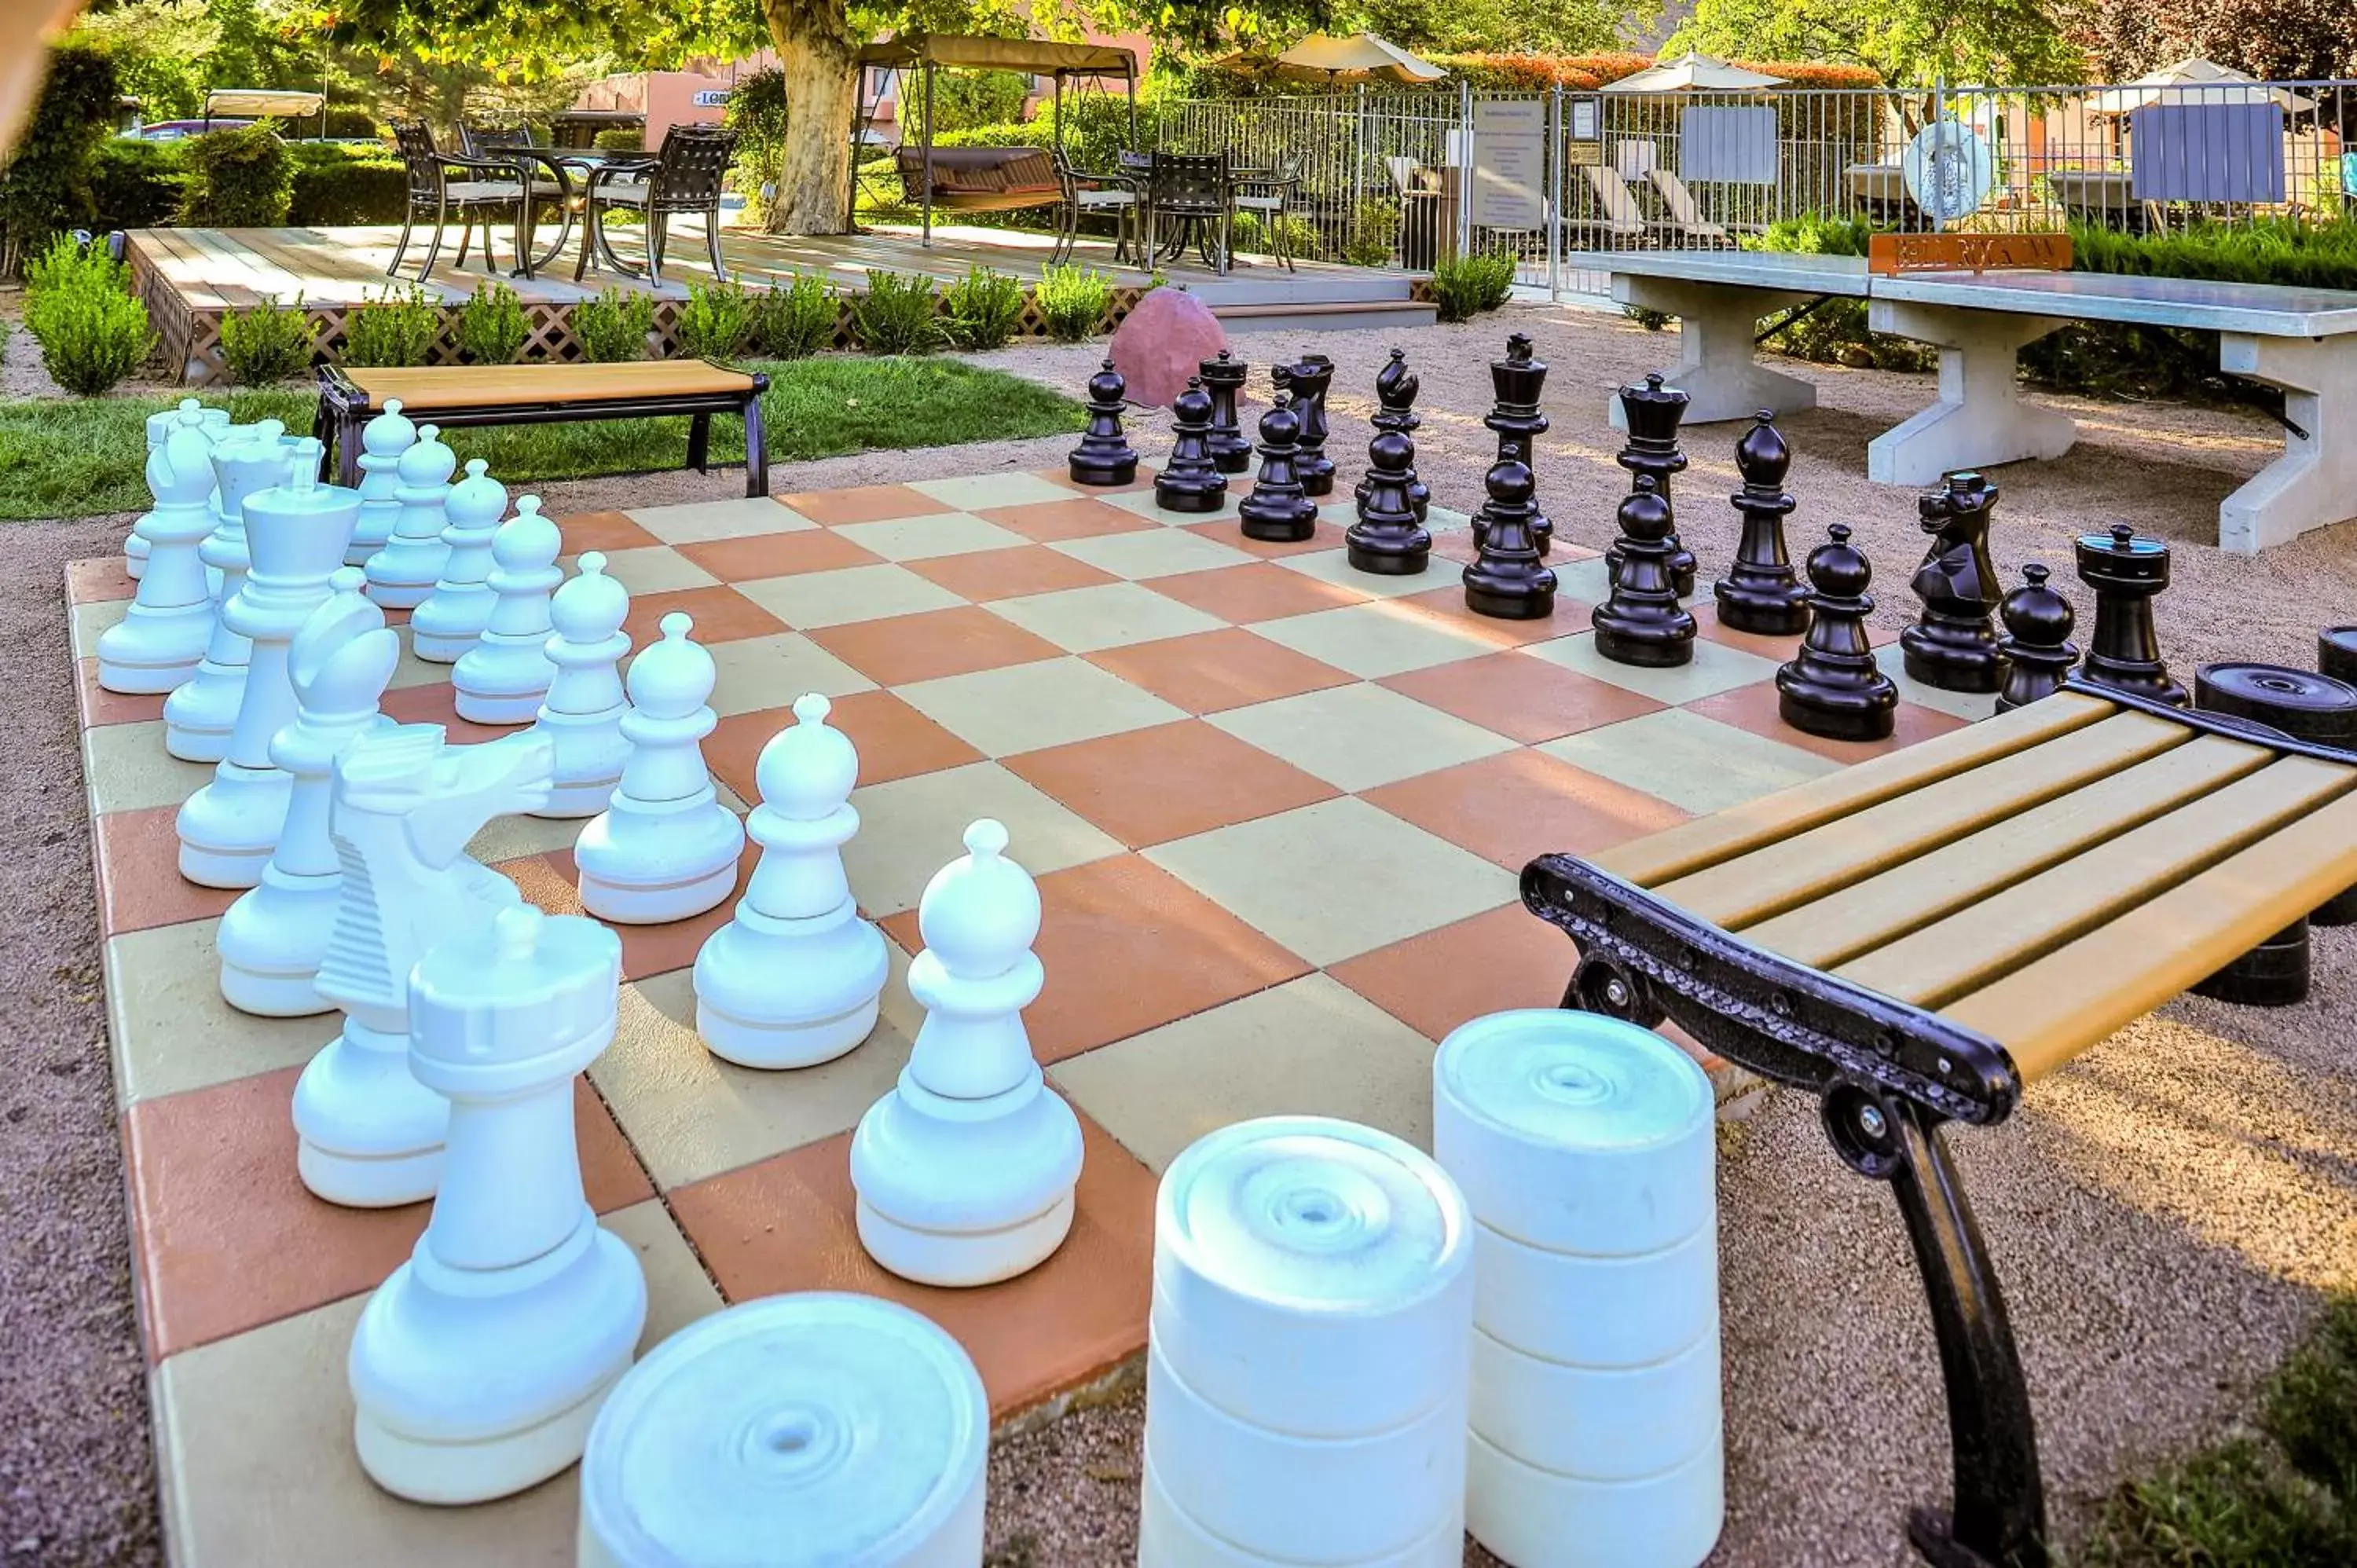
665	849
274	938
199	713
501	678
161	639
478	1369
965	1171
402	574
404	805
584	708
383	441
794	979
446	624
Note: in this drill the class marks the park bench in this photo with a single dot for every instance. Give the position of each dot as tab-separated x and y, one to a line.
457	396
1917	938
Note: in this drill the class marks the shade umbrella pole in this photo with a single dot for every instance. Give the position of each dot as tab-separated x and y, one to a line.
927	238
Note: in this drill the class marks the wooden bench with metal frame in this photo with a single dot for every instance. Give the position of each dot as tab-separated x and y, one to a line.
460	396
1916	938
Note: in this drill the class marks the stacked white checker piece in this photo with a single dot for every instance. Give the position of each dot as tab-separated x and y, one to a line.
1306	1374
1586	1148
807	1431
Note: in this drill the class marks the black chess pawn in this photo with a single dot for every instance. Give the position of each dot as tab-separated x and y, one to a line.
1310	380
1277	510
1189	483
1396	389
2037	645
2124	651
1953	646
1833	687
2336	652
1509	580
1104	456
1387	540
1652	414
1642	622
1517	380
1223	378
1761	593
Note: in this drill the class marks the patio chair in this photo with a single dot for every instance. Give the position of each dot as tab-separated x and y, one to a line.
1193	192
1266	198
1621	218
684	177
1685	212
1087	195
483	185
491	143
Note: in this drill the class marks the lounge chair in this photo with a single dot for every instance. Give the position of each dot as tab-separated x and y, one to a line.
1621	218
1685	210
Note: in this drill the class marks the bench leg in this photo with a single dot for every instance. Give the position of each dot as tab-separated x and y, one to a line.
699	442
1980	420
757	449
1716	368
2314	483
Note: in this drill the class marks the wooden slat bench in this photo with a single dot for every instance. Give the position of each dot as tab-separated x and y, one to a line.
456	396
1916	938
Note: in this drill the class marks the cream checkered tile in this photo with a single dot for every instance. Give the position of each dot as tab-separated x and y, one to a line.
911	828
1973	705
1588	581
1111	615
650	569
1715	668
1024	707
172	1030
771	671
1376	640
926	538
514	837
1159	553
412	670
90	622
1334	566
820	599
1694	763
1143	503
979	493
1356	737
700	522
129	770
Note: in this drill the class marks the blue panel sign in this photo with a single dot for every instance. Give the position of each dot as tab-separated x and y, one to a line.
2208	152
1736	146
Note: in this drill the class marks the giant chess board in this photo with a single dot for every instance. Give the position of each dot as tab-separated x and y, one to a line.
1277	809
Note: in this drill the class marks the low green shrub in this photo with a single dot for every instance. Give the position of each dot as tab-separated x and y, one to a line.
238	178
269	342
348	120
982	309
1302	239
715	322
621	139
896	315
394	328
1072	301
1377	236
135	185
339	185
492	324
1462	286
79	306
614	326
797	320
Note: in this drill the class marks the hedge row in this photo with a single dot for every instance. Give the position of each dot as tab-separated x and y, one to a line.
142	185
1537	72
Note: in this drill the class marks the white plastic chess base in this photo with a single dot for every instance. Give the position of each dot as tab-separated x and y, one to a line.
1980	419
271	943
152	650
775	1047
965	1192
397	596
493	708
372	1135
444	648
134	557
584	797
199	714
1167	1538
1604	1423
1632	1309
1535	1519
229	828
677	861
1718	367
769	997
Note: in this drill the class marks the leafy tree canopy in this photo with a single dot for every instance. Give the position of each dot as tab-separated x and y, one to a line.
1911	42
2272	40
1505	26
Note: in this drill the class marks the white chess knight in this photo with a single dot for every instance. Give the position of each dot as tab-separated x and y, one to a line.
401	575
383	441
212	422
665	849
478	1369
201	711
965	1171
274	938
794	979
583	711
446	624
161	639
405	803
502	679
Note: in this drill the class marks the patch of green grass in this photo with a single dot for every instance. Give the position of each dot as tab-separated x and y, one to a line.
62	458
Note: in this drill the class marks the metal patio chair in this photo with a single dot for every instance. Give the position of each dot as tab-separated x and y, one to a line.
482	186
1091	195
684	177
1192	192
1267	196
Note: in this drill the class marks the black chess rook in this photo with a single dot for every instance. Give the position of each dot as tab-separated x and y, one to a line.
1276	511
2038	652
1832	686
1509	580
1190	482
2124	651
1652	413
1310	380
1761	593
1953	646
1104	456
1223	378
1642	622
1516	381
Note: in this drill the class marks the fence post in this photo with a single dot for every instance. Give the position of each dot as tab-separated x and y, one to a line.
1554	194
1357	169
1464	169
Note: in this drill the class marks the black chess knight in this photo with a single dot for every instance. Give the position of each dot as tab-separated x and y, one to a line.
2037	645
1387	540
1652	413
2124	651
1189	483
1310	380
1833	687
1953	646
1223	378
1642	622
1276	511
1516	381
1509	580
1104	456
1761	593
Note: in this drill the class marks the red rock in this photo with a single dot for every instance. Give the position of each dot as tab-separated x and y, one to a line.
1162	342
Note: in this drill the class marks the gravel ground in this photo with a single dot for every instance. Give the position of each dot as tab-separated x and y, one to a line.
2162	1213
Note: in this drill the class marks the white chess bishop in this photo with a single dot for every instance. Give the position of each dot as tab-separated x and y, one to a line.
161	639
383	441
965	1171
212	422
402	574
666	848
478	1369
405	803
199	713
795	978
582	714
446	624
274	938
502	676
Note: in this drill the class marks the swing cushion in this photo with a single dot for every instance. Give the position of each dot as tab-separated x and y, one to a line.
982	179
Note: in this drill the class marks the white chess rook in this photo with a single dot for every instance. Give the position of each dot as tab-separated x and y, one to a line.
795	978
296	535
162	635
402	574
450	619
478	1369
406	804
383	441
804	1430
199	714
274	938
583	711
501	678
965	1171
665	849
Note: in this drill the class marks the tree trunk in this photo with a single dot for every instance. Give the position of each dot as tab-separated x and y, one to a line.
814	55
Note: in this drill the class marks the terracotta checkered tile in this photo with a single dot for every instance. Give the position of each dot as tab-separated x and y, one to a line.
1513	807
607	530
139	880
98	580
869	503
1149	786
100	706
1754	708
1329	536
986	574
1523	698
1144	482
1044	522
438	704
1446	607
778	555
1258	591
786	1225
1502	958
898	650
1211	672
721	615
229	1237
894	741
1707	624
552	883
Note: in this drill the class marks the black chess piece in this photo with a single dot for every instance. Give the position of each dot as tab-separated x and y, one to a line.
1310	380
2336	652
1395	389
2125	573
1223	378
1833	687
1761	593
1652	413
1104	456
2037	645
1517	380
1509	581
1642	622
1387	540
1189	483
1953	646
1277	510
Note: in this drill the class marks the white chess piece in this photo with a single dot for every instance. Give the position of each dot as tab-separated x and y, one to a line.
402	574
502	679
794	979
210	421
383	441
201	711
274	938
161	639
584	708
296	535
965	1171
478	1369
447	623
404	805
666	848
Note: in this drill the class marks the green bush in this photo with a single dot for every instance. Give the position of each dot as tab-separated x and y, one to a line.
49	183
1377	236
1072	301
621	139
269	342
982	309
796	321
964	99
351	122
339	185
394	328
896	315
239	178
757	112
77	305
614	326
1465	285
1301	235
134	185
492	324
715	322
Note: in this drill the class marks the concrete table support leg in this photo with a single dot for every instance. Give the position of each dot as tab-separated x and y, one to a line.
1980	420
1715	369
2314	483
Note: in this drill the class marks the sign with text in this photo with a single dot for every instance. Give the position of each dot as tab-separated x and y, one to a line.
1509	163
711	97
1887	255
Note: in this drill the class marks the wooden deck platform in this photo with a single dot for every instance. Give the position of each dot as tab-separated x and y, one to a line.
191	278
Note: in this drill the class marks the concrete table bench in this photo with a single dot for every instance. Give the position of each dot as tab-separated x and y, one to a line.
1917	938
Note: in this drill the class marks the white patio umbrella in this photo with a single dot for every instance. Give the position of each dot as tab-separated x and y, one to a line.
1320	57
2199	82
1693	72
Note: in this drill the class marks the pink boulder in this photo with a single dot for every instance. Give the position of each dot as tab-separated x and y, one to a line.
1164	342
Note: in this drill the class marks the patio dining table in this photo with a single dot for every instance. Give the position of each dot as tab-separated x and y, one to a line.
1191	223
563	164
